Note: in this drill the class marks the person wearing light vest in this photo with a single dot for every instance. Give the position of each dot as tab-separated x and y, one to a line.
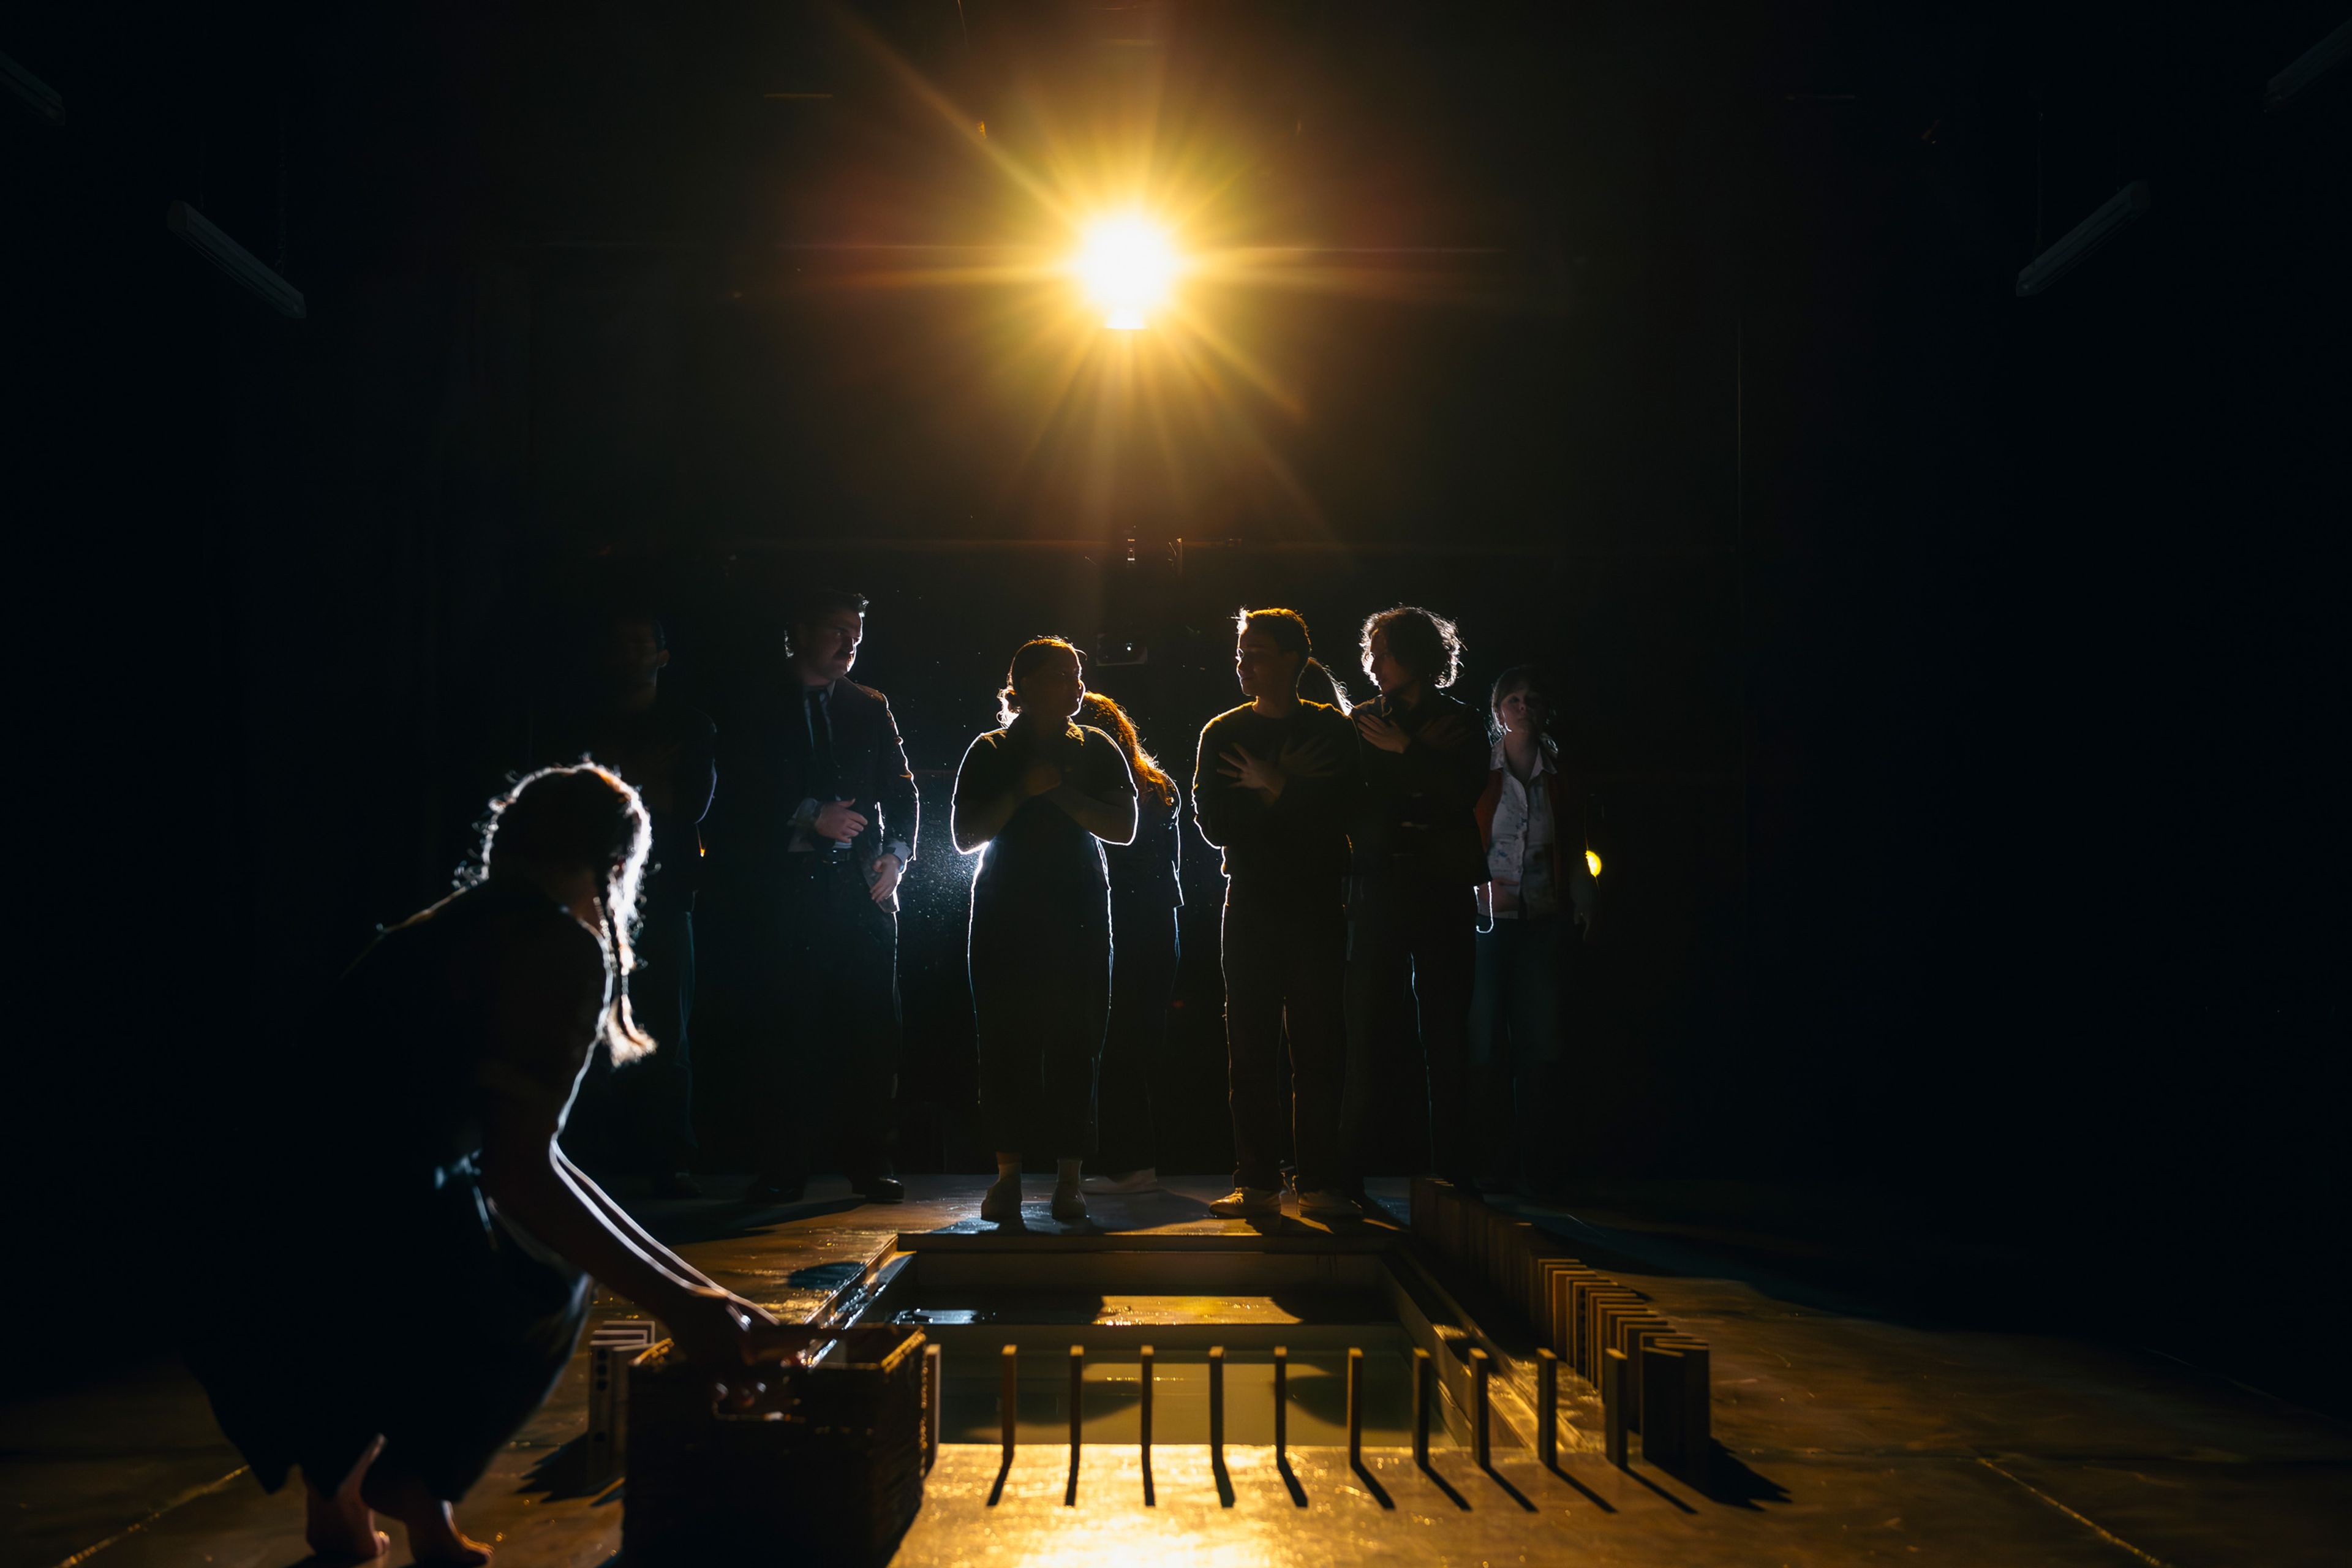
1541	895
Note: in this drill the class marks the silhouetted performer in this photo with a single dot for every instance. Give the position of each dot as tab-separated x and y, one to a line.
821	813
640	1118
1041	797
1416	864
1539	890
1146	892
414	1286
1273	784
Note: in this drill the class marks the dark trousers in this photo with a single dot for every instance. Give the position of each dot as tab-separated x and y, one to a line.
823	1063
1040	1001
1516	1042
640	1117
1143	958
1286	956
1409	954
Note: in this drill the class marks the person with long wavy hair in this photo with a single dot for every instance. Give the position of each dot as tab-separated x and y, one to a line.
435	1080
1038	799
1146	892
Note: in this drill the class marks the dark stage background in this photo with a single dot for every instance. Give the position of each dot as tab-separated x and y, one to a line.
1959	671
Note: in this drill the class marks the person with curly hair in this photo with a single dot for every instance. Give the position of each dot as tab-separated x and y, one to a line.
1416	863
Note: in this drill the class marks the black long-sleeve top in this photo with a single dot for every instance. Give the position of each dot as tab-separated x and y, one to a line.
1304	833
1417	812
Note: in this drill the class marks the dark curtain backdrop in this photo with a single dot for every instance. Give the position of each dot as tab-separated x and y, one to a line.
1960	673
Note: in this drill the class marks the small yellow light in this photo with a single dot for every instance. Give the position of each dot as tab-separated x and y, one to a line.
1592	862
1126	266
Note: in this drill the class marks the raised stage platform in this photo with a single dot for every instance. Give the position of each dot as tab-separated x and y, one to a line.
1847	1434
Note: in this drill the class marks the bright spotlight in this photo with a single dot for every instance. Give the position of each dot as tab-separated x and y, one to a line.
1127	266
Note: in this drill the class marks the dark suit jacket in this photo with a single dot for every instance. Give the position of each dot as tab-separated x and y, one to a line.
767	763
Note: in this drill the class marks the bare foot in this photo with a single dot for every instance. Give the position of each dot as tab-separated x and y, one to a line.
433	1532
342	1526
341	1523
433	1537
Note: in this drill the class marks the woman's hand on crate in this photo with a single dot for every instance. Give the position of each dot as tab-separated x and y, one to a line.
713	1325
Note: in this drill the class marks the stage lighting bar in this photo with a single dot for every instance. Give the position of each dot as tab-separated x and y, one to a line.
2085	238
2310	66
35	94
234	261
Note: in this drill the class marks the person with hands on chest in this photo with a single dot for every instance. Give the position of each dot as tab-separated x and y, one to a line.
824	809
1037	800
1416	862
437	1076
1274	786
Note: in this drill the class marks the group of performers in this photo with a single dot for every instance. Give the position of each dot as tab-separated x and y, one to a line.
1356	848
1363	853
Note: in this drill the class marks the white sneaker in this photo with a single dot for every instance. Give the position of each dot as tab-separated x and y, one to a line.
1069	1204
1248	1203
1328	1203
1002	1204
1147	1180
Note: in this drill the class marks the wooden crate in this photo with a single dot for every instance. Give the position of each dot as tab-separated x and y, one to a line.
823	1468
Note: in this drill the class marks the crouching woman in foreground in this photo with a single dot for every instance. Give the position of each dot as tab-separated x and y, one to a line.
417	1283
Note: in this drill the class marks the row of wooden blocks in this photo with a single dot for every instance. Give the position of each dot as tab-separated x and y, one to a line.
1653	1378
1425	1402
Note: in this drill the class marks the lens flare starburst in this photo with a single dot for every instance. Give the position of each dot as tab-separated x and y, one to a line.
1091	218
1126	265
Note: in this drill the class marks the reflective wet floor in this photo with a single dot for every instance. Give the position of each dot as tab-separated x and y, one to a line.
1850	1433
1315	1329
1113	1396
